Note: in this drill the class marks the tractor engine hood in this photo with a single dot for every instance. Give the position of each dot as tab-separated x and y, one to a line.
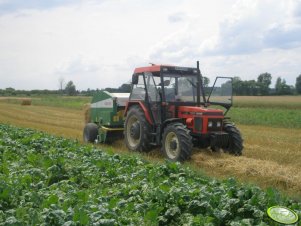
199	111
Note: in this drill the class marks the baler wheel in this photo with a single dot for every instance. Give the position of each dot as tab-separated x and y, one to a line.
90	133
235	145
137	130
177	142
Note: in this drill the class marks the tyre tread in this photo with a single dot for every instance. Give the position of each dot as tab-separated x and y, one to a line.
90	132
144	145
236	142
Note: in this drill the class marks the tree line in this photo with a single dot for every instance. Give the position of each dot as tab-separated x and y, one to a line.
69	90
261	86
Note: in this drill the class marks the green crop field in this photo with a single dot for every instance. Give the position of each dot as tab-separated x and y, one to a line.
285	118
48	180
275	111
75	102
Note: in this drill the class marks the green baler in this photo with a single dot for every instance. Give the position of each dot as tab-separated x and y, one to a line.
106	117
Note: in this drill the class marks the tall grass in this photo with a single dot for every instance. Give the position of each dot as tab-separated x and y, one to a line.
62	101
274	117
74	102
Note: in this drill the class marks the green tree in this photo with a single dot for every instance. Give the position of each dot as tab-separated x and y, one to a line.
264	80
10	91
252	87
237	86
278	85
125	88
282	88
298	84
206	81
245	88
70	89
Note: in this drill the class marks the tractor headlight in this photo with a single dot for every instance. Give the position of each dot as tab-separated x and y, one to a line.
210	124
218	124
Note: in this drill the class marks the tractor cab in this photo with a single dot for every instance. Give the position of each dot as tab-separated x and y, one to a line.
168	106
165	89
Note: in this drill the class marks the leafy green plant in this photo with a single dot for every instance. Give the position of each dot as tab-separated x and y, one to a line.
47	180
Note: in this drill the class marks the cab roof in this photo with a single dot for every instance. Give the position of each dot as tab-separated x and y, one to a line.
152	68
157	68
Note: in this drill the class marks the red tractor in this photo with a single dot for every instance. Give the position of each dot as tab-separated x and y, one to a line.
168	107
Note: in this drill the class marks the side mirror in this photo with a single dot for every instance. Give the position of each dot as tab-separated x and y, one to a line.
135	79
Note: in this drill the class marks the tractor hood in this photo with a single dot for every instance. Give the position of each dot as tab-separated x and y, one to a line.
189	110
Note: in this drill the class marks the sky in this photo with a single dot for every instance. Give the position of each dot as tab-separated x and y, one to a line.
99	43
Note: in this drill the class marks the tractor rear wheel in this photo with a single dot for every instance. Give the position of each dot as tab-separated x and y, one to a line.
177	142
235	145
137	130
90	133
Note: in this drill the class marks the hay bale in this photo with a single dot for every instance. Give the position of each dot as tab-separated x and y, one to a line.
87	111
26	101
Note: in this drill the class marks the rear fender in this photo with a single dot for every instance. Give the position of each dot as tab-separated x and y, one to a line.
142	106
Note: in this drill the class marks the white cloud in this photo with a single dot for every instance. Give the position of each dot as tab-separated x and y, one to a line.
97	44
177	17
257	25
78	65
106	34
248	41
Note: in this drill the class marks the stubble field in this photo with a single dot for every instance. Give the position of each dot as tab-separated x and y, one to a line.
271	128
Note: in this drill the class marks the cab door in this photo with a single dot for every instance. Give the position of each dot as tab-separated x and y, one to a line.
153	94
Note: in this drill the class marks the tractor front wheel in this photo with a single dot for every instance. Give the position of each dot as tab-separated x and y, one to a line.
90	133
235	145
177	142
137	130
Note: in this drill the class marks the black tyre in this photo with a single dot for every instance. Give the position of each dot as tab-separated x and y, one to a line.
137	130
235	145
177	142
90	133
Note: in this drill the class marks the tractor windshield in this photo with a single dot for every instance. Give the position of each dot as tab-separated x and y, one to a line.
180	88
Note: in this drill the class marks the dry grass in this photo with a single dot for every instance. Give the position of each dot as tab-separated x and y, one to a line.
58	121
265	173
87	110
291	102
272	156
